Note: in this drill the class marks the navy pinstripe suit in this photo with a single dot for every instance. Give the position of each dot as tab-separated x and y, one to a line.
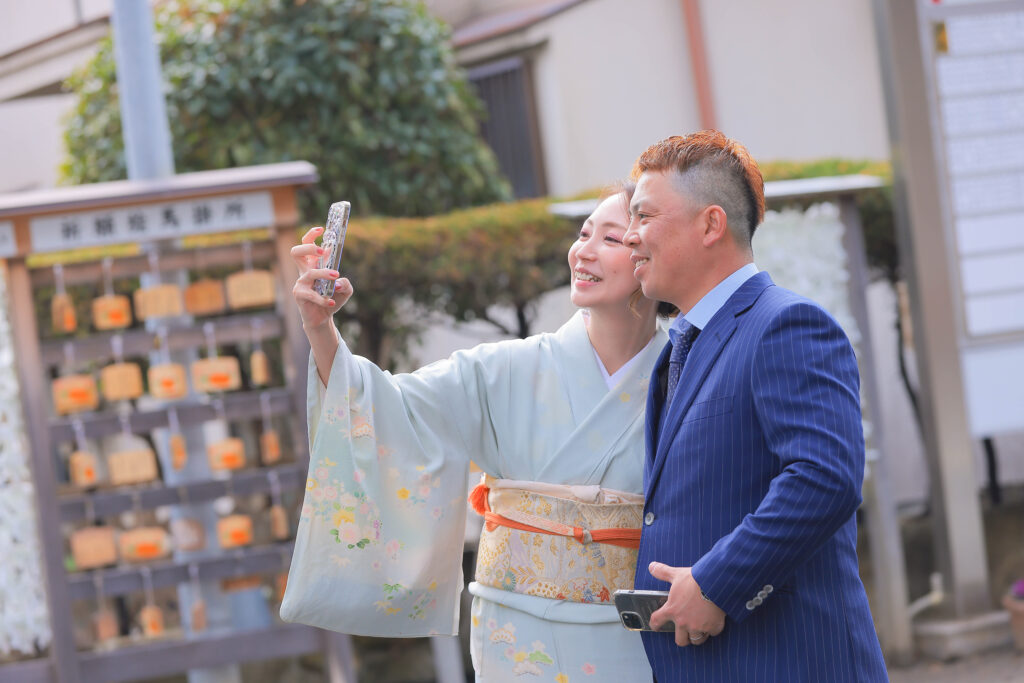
753	481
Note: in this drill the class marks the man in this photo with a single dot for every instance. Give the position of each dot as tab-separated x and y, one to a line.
755	459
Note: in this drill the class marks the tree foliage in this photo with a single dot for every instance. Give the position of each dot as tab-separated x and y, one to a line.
463	263
367	90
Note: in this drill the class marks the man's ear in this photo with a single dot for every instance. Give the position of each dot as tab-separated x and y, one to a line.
716	225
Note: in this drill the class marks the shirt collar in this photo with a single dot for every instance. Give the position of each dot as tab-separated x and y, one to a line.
705	309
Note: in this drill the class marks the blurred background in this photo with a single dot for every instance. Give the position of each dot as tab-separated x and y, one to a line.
472	137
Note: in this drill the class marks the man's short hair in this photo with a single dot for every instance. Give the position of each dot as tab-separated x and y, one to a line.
712	169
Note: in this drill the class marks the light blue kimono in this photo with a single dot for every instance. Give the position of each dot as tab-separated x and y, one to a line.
378	549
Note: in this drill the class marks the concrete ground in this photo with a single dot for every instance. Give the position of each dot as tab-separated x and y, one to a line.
999	666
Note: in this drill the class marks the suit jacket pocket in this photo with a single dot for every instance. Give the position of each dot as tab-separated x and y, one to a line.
709	408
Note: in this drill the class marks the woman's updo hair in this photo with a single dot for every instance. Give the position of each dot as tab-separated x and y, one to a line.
626	188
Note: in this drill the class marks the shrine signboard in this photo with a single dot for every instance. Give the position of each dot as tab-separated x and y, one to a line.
973	58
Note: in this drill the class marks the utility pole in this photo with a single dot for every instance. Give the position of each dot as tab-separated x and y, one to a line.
147	136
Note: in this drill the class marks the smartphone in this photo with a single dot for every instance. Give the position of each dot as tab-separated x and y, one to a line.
635	609
333	241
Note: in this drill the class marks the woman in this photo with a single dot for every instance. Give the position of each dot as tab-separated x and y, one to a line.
555	421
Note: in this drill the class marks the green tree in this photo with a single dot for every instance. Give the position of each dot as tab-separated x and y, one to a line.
367	90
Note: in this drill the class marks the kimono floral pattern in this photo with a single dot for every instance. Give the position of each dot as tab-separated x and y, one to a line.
354	519
509	645
398	599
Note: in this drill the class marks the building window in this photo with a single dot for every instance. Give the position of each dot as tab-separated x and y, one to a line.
506	89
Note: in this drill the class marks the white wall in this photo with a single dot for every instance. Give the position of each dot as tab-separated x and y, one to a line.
29	21
796	79
611	79
31	141
791	79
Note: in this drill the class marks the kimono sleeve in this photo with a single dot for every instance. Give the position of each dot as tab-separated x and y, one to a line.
378	549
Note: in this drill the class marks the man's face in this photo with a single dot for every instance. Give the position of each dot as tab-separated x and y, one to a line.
665	238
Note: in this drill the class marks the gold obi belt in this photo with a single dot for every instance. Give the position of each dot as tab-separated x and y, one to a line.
575	543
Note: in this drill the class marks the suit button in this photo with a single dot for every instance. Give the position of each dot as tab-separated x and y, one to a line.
649	518
769	588
756	601
762	594
751	605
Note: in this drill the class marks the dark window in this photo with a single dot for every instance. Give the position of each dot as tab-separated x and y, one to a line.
506	89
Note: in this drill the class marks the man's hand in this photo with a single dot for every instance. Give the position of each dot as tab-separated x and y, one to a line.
696	619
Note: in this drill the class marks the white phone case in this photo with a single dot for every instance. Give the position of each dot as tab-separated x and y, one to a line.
333	241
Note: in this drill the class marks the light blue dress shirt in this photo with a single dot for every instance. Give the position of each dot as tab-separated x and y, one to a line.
701	314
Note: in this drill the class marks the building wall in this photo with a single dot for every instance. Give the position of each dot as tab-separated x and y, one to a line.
31	140
792	79
607	86
28	21
796	79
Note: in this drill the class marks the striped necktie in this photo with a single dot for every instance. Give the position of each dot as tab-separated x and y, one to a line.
677	359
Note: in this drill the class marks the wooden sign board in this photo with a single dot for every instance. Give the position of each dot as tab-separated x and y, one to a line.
74	394
93	547
234	531
144	544
121	381
210	375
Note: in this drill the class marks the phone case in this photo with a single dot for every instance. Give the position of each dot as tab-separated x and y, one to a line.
635	609
333	241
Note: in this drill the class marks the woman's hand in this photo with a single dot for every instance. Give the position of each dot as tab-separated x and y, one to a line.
316	311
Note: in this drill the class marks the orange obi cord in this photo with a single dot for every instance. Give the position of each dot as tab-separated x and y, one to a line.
624	538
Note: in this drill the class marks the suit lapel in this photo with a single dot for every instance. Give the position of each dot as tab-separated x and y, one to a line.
699	363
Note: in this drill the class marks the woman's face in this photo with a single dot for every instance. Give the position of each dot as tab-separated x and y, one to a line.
602	273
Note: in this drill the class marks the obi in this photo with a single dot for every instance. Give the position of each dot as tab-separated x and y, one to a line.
555	541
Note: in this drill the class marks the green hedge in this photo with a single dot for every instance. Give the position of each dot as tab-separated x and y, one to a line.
460	263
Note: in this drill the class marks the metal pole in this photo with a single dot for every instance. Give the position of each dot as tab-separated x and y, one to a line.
147	137
887	561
